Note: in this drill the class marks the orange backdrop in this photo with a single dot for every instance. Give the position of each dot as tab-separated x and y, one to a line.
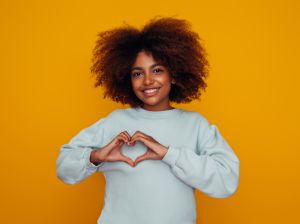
47	96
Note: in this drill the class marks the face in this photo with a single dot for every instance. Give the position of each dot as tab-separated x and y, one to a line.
151	82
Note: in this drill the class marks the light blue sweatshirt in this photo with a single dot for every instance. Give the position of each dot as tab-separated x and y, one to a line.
155	191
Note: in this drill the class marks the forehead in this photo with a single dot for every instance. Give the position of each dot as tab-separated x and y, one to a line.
144	58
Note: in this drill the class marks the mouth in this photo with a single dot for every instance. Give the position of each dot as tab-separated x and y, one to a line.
150	92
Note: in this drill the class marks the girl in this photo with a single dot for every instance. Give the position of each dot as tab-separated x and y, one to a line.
153	156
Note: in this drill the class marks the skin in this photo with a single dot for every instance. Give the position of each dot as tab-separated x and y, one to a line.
145	73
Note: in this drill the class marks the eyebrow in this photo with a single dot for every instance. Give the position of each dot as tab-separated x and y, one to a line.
139	68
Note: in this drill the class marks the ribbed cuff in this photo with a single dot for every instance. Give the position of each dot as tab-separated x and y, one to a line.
171	156
89	164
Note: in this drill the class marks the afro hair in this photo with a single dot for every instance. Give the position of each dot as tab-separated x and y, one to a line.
170	40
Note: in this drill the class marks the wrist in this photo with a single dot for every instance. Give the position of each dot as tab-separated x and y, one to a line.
94	157
164	151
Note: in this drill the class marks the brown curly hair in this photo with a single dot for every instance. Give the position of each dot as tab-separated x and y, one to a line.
169	40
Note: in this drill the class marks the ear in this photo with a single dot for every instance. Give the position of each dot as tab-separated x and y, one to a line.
173	81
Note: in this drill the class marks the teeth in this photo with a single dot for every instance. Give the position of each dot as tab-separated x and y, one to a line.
150	90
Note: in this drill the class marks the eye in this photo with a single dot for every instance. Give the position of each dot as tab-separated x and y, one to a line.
136	74
157	70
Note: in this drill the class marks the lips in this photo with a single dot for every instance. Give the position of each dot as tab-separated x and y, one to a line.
150	91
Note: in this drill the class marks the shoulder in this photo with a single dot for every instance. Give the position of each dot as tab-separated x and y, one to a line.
118	113
195	120
111	116
193	115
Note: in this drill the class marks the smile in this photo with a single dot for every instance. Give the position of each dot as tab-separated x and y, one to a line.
150	92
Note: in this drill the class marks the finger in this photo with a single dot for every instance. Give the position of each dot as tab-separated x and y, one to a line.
151	144
127	160
123	137
117	141
137	133
120	139
140	158
128	138
138	138
134	138
140	133
127	135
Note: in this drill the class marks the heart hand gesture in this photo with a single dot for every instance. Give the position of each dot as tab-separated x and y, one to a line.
155	151
112	151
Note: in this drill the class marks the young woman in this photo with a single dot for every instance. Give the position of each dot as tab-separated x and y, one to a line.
153	156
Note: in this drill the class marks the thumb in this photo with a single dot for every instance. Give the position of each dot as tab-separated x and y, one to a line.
141	158
127	160
105	151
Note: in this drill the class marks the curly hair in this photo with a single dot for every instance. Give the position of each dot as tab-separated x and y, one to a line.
169	40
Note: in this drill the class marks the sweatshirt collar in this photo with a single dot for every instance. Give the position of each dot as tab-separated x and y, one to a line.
139	111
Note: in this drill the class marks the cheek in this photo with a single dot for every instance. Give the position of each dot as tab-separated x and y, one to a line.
164	78
134	85
165	81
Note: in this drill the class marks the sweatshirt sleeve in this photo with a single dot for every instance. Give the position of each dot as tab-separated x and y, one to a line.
73	163
213	168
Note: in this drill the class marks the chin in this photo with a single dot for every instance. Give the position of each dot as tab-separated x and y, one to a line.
150	101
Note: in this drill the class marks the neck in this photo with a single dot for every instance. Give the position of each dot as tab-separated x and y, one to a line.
157	108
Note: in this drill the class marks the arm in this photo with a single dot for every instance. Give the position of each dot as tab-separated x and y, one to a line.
75	162
212	169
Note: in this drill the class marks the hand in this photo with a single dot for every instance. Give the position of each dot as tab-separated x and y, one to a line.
155	151
112	151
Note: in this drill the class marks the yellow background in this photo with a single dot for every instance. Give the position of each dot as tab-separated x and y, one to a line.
47	96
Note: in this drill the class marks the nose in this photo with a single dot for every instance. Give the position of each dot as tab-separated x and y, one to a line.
148	79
